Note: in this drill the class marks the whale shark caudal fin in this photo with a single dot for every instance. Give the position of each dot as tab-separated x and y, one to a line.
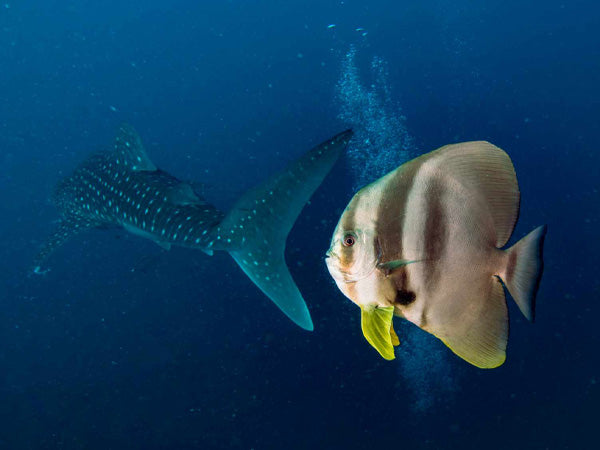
263	217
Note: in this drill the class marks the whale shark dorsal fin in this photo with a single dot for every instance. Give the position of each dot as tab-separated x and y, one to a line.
264	217
129	150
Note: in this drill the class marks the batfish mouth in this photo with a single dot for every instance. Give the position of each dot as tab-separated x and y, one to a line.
333	264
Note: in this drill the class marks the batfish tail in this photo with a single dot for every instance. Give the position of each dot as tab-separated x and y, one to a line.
524	270
262	218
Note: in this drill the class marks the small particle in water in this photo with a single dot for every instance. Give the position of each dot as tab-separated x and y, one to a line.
331	25
112	108
360	29
7	5
365	33
300	55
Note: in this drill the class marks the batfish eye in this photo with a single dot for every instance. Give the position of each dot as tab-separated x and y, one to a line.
349	240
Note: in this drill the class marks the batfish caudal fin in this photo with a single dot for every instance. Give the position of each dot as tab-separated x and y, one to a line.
262	218
524	270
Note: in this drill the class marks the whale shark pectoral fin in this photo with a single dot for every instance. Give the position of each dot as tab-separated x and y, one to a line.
129	150
164	245
183	194
271	275
146	235
67	227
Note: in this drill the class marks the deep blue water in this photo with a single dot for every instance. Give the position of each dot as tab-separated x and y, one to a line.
124	346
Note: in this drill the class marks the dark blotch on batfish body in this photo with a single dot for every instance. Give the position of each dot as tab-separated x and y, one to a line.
431	250
404	297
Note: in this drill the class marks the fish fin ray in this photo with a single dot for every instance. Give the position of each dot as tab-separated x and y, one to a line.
377	327
524	270
484	168
479	332
394	336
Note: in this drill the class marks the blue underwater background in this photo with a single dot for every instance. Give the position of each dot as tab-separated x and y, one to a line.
123	345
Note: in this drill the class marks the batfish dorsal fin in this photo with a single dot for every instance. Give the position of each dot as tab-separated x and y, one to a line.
478	331
130	151
488	171
265	215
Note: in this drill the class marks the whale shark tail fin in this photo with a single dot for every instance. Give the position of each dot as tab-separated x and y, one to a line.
263	217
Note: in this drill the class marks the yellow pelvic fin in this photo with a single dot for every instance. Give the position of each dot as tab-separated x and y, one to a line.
394	336
376	324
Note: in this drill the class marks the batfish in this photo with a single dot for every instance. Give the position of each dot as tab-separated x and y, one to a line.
425	243
123	187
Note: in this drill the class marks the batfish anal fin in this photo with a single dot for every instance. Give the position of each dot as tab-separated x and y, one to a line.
480	332
264	216
484	170
129	150
67	227
377	327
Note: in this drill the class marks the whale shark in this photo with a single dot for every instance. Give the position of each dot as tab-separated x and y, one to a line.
122	187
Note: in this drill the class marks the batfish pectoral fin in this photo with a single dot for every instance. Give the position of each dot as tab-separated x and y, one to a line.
377	327
480	332
390	266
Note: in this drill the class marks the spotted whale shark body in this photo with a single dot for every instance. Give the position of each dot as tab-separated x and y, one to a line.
123	187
